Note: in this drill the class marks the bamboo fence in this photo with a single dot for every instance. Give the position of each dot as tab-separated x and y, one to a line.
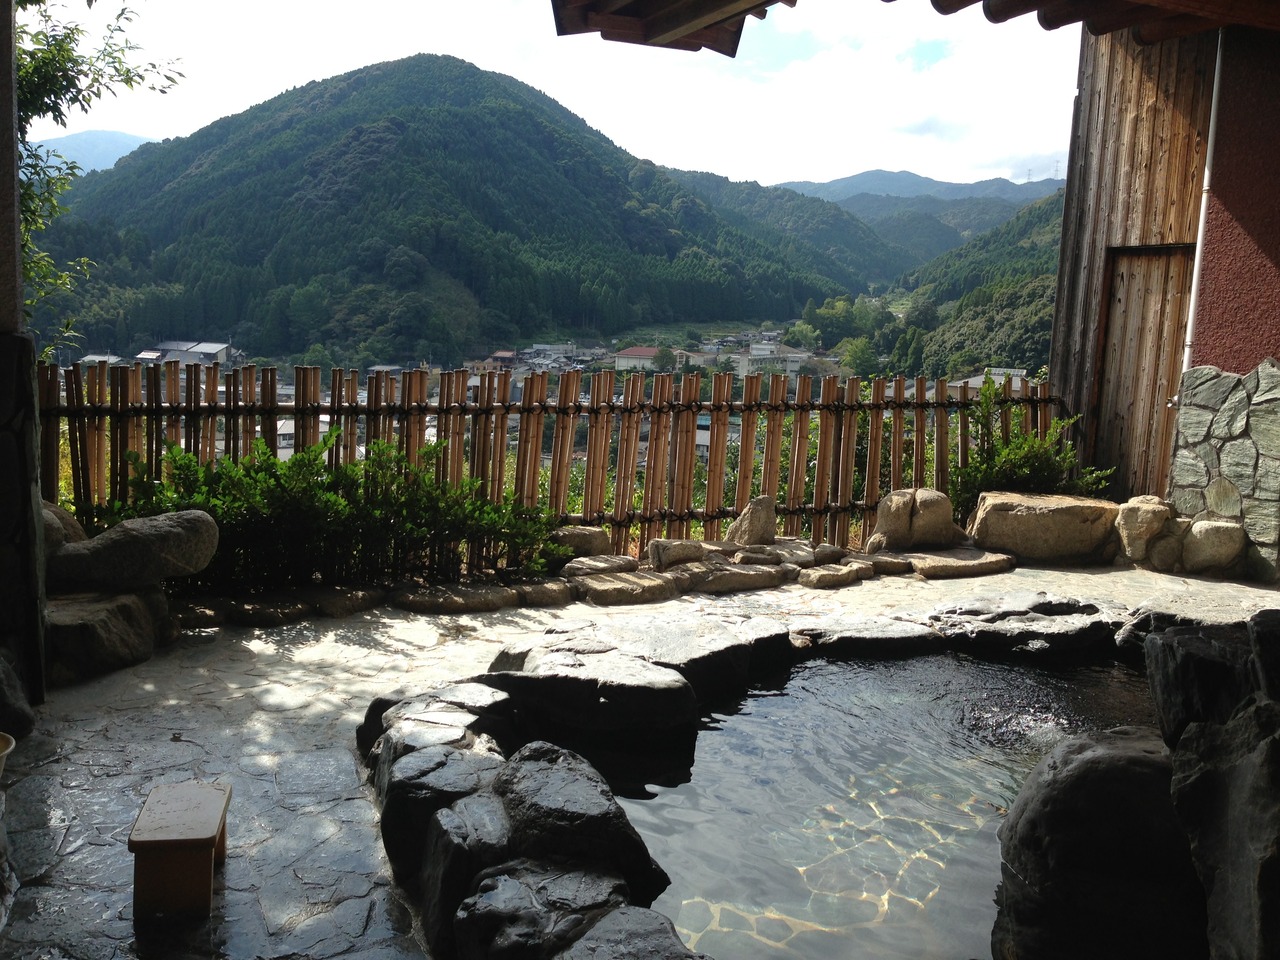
641	455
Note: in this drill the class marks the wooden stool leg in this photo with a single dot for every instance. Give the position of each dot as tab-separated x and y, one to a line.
220	849
173	883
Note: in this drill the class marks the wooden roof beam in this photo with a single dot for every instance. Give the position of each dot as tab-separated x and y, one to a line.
1061	13
952	6
1000	11
1250	13
682	19
1172	28
1122	18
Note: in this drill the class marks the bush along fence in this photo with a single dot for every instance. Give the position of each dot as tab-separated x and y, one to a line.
646	456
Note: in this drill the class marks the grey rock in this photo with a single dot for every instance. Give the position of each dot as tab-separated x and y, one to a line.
878	638
824	553
1194	422
1207	386
664	554
1137	522
462	841
619	589
1095	861
863	569
1031	623
88	635
1226	788
1165	553
1212	545
1198	674
1232	415
913	518
531	909
958	562
828	577
1264	428
758	556
560	807
736	578
1050	527
630	933
16	716
1189	471
710	655
136	554
421	783
1264	643
758	523
1237	462
794	551
585	566
1267	375
479	598
544	593
883	564
1262	522
583	541
60	527
596	689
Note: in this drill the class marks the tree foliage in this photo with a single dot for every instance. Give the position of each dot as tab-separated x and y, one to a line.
58	73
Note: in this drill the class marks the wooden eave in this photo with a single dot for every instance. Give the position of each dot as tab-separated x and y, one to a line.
717	24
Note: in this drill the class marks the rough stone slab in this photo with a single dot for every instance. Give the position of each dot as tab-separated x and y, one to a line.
758	523
545	593
883	563
1028	623
583	541
794	551
829	577
825	553
482	598
274	611
341	602
559	806
738	577
958	562
664	554
1198	674
631	933
762	556
586	566
1039	526
598	691
88	635
619	589
136	554
1093	834
878	638
711	655
1226	789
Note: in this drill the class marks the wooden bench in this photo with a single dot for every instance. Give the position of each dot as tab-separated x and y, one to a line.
178	838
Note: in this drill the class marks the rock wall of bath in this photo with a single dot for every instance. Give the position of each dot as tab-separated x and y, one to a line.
1226	461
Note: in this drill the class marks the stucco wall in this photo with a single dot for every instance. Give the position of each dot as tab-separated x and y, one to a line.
1238	310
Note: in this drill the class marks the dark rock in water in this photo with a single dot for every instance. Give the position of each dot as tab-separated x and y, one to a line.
585	682
560	807
1095	861
1226	789
630	933
871	637
1198	674
1264	638
1028	623
1132	637
16	716
421	783
531	909
462	841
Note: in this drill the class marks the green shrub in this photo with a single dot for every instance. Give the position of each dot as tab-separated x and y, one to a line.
296	522
1024	464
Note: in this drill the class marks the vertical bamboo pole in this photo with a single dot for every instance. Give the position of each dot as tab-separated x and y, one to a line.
897	439
624	482
684	456
747	440
482	435
798	473
231	421
920	435
962	428
98	436
457	426
941	435
271	410
251	408
1006	411
659	453
775	414
192	422
528	447
136	413
846	464
211	408
1044	413
334	456
826	456
118	436
599	430
78	440
717	453
1024	394
173	402
501	422
48	377
875	438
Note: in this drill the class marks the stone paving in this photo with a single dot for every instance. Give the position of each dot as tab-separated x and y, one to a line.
273	712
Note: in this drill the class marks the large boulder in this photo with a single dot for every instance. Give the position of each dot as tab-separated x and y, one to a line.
1095	861
1138	522
1198	674
88	635
913	518
1053	528
136	554
60	526
583	541
560	808
758	523
1226	789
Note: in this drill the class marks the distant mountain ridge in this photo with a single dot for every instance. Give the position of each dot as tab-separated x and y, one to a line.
903	183
95	149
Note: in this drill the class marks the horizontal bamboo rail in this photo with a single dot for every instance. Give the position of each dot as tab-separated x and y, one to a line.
646	457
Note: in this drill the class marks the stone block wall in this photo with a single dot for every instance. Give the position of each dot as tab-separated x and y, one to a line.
1226	462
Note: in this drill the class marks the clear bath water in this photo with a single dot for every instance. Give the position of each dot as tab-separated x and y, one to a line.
852	813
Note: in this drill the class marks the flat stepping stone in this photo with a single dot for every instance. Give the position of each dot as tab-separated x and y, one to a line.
734	578
829	576
483	598
585	566
618	589
876	638
958	562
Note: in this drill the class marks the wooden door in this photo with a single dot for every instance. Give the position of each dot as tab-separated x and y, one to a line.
1143	332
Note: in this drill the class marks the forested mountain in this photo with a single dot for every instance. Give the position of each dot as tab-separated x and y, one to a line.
94	149
424	209
906	184
968	216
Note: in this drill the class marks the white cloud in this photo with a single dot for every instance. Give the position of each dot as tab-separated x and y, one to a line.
824	90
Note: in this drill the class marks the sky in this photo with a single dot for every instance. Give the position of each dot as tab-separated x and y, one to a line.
820	91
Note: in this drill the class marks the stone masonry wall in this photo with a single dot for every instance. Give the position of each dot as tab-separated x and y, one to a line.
1226	461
